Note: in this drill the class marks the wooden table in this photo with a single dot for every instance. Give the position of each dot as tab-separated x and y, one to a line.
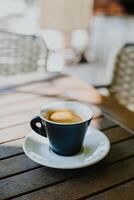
22	179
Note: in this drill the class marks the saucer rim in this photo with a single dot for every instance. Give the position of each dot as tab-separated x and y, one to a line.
71	167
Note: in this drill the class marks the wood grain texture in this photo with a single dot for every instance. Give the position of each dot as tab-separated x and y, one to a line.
17	119
31	180
14	148
25	180
123	192
21	163
11	82
118	113
15	165
117	134
11	148
13	133
34	103
89	181
77	90
103	123
120	151
14	97
23	116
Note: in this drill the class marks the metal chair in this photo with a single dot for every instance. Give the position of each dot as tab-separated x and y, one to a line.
21	53
122	87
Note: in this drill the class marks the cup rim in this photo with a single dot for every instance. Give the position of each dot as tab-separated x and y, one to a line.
68	102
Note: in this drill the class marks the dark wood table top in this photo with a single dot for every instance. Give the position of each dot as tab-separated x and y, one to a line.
22	179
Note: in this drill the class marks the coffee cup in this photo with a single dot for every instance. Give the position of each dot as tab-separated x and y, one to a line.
65	139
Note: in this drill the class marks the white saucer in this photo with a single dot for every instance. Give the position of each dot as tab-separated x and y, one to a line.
96	146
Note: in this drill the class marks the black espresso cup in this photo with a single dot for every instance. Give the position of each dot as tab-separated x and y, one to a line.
64	139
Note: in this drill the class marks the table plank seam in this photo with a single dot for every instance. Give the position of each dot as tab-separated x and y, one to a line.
52	77
19	112
12	140
66	179
13	125
40	166
24	171
106	189
32	168
110	127
20	153
46	186
110	117
120	160
123	140
83	198
28	177
21	101
7	157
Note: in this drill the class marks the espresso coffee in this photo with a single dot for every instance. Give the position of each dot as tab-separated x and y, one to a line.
63	116
67	135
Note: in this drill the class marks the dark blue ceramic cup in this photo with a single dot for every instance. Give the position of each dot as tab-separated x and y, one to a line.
65	139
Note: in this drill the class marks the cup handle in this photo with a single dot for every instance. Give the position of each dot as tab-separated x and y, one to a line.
40	130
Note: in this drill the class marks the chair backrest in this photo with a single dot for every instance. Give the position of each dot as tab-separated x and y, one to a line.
21	53
122	87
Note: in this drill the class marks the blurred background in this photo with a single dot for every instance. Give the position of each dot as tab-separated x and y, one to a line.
82	37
